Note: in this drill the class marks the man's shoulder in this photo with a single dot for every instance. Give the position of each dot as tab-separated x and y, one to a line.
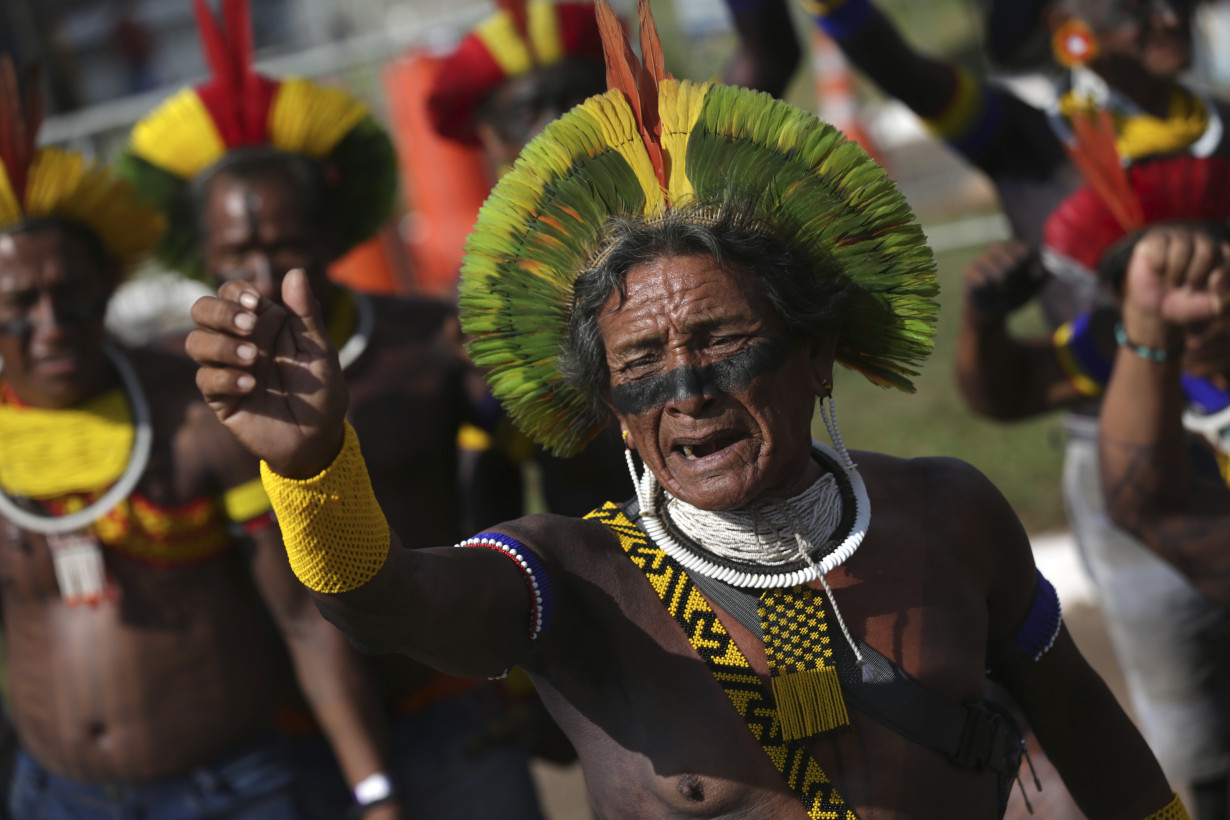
929	488
930	473
562	539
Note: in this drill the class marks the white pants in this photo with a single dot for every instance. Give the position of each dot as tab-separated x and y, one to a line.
1172	643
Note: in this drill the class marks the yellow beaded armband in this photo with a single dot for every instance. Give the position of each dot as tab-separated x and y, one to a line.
1171	811
335	534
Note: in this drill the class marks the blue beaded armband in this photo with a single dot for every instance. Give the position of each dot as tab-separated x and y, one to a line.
1041	626
1149	354
541	598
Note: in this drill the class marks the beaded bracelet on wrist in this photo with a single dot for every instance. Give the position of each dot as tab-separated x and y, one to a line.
1149	354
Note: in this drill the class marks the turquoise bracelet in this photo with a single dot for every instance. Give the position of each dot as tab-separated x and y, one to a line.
1149	354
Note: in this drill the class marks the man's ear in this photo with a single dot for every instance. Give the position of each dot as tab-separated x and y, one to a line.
820	370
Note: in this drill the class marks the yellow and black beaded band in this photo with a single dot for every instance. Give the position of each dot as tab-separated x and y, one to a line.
336	537
1173	810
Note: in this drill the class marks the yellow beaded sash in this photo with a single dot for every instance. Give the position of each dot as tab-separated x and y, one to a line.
729	667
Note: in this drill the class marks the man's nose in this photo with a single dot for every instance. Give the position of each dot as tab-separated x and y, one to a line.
692	390
45	318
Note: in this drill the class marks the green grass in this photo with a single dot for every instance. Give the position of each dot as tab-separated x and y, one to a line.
1021	458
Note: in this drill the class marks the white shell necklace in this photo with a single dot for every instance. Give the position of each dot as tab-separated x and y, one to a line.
358	341
748	547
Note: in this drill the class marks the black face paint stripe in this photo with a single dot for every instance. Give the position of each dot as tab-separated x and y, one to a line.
726	376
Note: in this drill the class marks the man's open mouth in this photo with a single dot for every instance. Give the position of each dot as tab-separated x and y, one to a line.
707	446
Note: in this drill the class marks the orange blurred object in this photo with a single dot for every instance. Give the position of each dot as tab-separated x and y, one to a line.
443	183
379	265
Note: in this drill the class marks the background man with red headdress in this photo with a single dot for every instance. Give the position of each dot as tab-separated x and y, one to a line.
1122	57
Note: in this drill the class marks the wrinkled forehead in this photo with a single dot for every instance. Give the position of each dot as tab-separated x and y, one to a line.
46	252
269	204
687	292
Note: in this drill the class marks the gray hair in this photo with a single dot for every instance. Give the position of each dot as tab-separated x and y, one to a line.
808	305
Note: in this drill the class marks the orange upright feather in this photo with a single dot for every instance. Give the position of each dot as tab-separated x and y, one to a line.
638	82
1095	154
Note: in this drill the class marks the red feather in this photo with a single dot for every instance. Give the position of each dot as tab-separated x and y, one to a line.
654	69
214	45
1175	188
19	124
638	82
236	97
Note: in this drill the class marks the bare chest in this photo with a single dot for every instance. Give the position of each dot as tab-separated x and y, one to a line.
675	729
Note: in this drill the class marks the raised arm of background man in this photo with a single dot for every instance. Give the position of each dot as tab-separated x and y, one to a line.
1000	375
992	129
1177	297
769	51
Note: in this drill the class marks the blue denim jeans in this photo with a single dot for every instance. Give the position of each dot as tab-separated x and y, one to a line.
444	762
254	784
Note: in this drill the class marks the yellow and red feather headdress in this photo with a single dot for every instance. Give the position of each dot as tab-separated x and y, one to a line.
239	108
521	35
49	183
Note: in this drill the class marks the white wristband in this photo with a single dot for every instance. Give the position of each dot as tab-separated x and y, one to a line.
372	788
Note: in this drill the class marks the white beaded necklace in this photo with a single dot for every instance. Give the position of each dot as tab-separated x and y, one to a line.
356	345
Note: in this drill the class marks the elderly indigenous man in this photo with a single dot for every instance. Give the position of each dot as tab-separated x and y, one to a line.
258	176
1122	57
138	557
693	259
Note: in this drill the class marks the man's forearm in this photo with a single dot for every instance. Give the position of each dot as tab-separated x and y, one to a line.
1001	377
1147	478
343	698
1145	465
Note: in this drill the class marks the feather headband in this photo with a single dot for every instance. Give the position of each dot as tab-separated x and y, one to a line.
48	183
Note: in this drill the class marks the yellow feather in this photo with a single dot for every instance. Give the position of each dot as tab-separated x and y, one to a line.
614	116
10	208
62	185
179	137
679	106
306	118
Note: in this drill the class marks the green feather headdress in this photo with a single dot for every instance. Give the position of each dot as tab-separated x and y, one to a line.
652	144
